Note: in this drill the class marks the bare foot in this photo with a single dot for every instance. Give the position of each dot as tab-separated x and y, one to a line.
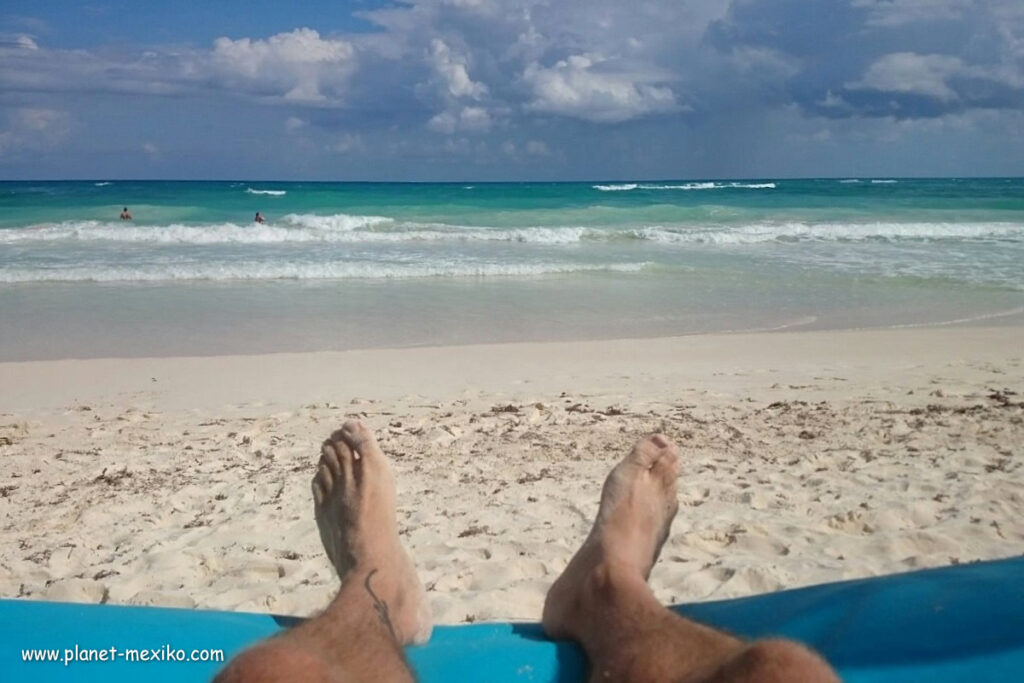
638	503
354	503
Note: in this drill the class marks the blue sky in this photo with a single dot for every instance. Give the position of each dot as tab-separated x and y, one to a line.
511	89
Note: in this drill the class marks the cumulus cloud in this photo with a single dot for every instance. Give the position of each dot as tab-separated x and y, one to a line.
17	41
468	120
946	84
587	87
453	72
950	54
559	81
907	72
299	66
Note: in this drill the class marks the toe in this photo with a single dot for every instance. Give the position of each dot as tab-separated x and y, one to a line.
666	467
329	458
337	458
318	490
324	474
361	440
650	450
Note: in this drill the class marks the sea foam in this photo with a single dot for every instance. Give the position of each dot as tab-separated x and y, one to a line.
277	270
352	229
685	186
616	188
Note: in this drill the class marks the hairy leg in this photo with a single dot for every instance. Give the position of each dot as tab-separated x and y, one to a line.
381	605
602	599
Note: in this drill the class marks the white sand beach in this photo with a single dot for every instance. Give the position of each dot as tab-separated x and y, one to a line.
808	457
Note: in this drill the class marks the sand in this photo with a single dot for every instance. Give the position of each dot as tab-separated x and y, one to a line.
808	457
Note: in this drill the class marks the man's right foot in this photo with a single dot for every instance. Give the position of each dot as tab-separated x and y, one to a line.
354	503
638	503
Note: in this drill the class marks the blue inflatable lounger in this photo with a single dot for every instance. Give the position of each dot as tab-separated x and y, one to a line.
960	623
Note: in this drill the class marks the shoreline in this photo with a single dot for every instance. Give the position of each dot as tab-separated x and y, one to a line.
65	321
808	457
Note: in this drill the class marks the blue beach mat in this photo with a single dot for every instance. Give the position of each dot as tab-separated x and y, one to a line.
961	623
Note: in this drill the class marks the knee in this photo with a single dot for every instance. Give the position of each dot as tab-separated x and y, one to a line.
274	661
768	661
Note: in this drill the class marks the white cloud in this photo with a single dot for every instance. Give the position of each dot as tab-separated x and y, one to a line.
151	150
585	87
18	41
910	73
445	122
453	72
299	66
469	119
293	123
474	119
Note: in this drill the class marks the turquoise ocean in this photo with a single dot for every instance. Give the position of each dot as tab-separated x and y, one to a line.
357	265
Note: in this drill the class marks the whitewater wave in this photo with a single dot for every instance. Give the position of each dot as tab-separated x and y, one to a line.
294	228
711	186
338	221
103	184
884	181
616	188
272	193
833	232
685	186
352	229
236	270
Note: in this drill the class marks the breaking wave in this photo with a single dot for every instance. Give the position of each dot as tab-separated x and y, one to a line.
352	229
263	270
625	187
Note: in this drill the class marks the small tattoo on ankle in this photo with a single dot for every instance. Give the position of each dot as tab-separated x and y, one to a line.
380	606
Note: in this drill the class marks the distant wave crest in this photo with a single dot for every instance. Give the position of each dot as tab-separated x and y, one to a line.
625	187
272	193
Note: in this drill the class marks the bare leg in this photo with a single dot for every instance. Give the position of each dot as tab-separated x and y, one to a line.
381	605
602	600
